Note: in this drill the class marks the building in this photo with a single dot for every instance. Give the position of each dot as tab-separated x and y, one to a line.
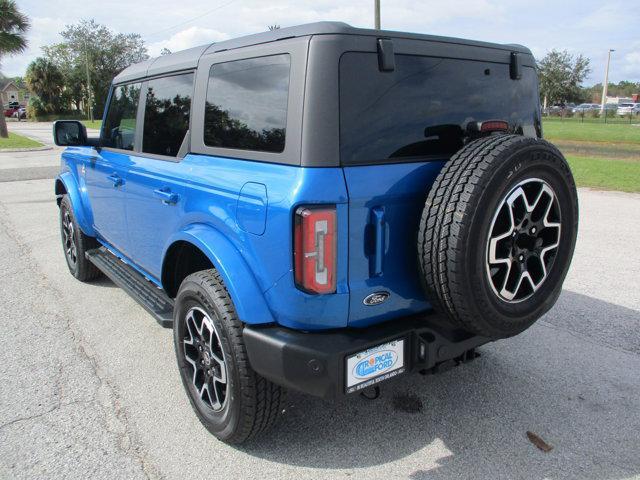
9	92
617	100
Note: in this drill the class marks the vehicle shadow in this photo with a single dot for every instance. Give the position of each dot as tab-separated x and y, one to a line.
581	397
103	282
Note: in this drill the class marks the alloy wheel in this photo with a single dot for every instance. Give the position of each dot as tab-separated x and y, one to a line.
523	240
69	238
203	352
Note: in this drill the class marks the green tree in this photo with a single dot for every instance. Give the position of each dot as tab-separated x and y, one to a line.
106	52
13	29
561	75
19	81
74	75
46	81
623	88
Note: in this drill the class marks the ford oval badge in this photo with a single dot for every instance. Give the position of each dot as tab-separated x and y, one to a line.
375	298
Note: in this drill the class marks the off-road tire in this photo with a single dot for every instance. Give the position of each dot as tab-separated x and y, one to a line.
455	224
82	269
252	403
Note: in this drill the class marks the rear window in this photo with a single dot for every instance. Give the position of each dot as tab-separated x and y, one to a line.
166	114
424	106
247	104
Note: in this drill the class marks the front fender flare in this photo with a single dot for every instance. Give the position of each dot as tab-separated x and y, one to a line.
79	211
239	279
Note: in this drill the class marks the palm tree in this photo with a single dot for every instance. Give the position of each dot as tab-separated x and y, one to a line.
45	80
13	28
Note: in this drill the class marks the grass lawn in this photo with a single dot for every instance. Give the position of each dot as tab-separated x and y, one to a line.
605	156
95	124
573	130
607	174
18	141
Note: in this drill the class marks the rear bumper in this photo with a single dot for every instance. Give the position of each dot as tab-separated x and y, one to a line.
315	363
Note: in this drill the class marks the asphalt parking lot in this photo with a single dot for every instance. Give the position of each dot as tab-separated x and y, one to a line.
90	388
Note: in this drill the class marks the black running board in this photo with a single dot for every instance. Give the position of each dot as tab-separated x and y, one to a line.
148	295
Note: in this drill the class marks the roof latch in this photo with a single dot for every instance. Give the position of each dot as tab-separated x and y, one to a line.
515	66
386	57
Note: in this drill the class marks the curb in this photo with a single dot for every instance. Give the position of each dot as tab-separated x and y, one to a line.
32	149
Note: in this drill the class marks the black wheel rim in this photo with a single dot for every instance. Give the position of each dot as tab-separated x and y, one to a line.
204	354
69	238
523	240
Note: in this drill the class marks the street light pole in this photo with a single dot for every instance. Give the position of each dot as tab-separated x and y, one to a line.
376	5
605	86
86	59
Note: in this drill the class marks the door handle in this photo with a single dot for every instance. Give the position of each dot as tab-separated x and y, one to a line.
167	196
376	263
116	179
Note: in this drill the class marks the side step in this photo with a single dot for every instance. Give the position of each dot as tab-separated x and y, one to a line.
148	295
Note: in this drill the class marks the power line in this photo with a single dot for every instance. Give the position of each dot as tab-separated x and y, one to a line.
208	12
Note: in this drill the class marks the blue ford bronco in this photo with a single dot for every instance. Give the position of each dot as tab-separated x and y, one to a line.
321	208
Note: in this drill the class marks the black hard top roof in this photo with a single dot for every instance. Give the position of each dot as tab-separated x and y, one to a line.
187	59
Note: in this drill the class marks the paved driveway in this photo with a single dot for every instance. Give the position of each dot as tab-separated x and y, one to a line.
36	164
90	388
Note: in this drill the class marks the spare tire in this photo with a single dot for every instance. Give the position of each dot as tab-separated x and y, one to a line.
497	234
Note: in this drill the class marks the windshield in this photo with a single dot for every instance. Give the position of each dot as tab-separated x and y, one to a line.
425	107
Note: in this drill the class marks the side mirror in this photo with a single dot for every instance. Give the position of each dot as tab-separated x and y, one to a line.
69	133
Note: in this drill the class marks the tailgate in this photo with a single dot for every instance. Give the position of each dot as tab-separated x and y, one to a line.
385	205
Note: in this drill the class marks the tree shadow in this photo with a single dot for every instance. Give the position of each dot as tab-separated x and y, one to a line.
580	396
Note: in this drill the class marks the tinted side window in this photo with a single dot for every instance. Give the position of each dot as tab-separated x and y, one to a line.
166	114
247	104
425	107
119	129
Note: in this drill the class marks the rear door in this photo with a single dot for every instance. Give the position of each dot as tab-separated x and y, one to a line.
105	171
155	193
397	128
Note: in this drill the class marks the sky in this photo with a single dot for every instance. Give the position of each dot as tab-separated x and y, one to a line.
579	26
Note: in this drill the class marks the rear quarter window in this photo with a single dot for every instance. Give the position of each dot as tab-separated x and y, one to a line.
246	105
422	108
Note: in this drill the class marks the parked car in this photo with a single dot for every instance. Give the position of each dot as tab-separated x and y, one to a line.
20	113
586	107
556	109
9	111
321	208
626	109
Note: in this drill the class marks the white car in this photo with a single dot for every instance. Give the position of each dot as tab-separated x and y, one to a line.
628	109
20	113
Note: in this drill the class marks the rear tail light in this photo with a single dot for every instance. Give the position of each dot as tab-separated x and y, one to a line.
494	126
315	249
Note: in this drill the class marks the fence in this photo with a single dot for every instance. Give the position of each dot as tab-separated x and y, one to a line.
592	116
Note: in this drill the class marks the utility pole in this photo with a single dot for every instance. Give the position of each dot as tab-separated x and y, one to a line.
86	62
605	85
377	14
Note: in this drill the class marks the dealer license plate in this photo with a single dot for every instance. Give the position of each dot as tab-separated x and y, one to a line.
375	365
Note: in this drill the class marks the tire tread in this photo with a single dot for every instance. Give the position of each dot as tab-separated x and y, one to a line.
444	224
261	400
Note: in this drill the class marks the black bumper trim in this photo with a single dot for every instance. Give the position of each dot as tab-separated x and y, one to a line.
315	362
